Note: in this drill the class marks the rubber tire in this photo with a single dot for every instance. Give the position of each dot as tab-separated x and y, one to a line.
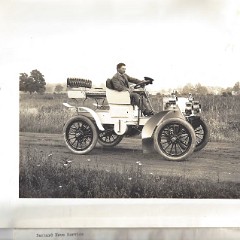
205	137
112	144
78	82
191	133
94	134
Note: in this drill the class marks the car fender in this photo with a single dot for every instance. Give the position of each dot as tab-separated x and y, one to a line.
90	111
152	123
94	115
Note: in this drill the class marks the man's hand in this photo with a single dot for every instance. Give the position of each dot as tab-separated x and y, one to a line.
131	89
144	82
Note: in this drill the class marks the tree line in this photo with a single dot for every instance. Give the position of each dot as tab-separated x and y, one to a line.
35	82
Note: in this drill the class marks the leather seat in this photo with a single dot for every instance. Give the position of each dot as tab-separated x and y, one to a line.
116	97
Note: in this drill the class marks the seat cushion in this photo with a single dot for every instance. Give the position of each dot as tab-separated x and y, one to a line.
116	97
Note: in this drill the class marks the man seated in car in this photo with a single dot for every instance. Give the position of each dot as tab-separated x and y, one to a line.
120	82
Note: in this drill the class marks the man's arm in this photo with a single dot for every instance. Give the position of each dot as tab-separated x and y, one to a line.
133	80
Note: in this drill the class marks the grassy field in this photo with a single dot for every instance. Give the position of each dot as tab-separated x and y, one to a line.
42	177
45	113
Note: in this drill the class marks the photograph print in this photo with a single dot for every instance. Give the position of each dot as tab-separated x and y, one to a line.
128	99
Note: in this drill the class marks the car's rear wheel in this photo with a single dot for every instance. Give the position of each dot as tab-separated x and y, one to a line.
80	134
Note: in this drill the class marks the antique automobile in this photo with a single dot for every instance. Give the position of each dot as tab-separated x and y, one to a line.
174	133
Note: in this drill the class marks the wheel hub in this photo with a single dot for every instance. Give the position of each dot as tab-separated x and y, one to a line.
79	134
173	139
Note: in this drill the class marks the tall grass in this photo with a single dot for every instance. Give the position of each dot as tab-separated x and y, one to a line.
222	115
45	113
43	176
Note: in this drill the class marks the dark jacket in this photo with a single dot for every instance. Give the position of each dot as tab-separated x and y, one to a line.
120	82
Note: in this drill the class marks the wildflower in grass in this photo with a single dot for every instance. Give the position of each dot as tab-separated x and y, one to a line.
66	164
139	169
60	186
157	178
129	178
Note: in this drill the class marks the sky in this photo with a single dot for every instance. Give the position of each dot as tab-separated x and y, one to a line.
176	42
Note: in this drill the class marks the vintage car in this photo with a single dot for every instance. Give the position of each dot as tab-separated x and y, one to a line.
175	133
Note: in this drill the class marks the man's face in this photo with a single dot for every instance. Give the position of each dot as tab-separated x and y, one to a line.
122	69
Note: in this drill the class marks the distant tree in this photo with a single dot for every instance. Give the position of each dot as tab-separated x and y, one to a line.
23	81
33	83
39	81
202	90
236	87
194	89
58	88
188	88
50	87
27	83
225	94
227	91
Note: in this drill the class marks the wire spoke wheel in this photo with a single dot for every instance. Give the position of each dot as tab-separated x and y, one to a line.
174	139
80	135
202	135
109	138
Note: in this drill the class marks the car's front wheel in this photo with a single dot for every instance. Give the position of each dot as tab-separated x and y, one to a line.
174	139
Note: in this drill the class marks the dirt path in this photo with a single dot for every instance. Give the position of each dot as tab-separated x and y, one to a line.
217	161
